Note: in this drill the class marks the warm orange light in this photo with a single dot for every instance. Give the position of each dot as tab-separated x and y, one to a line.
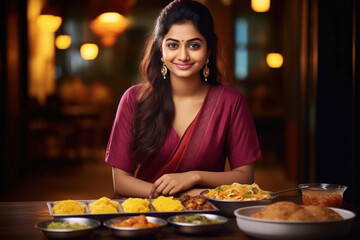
63	41
108	26
89	51
49	23
260	5
274	60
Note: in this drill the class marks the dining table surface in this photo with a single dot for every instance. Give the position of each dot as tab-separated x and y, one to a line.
18	220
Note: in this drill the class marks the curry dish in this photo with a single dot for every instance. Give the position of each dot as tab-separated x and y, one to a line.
136	222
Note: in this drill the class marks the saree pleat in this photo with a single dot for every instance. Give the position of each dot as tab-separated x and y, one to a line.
222	128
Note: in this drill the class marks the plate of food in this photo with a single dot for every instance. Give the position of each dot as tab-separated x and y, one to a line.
200	223
105	208
287	220
68	228
140	226
228	198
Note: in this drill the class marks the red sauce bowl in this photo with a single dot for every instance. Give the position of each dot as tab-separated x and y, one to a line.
322	194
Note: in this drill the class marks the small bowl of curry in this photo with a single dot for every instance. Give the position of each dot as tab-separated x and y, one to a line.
135	227
197	223
68	228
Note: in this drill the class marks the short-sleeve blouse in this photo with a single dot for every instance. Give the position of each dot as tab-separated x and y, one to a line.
226	129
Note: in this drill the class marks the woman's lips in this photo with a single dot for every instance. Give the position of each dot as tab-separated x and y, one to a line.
183	66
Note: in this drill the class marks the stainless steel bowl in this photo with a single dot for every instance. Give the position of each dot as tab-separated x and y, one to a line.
193	228
68	233
227	208
134	232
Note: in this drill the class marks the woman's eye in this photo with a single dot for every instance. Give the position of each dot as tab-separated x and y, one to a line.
194	45
172	45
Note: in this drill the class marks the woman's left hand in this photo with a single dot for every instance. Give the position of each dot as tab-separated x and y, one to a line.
173	183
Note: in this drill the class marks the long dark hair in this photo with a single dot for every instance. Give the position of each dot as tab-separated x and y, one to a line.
155	110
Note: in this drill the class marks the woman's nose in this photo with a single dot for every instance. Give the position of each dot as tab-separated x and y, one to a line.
183	54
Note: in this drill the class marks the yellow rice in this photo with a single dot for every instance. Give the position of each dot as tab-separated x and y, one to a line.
104	205
136	205
68	207
167	204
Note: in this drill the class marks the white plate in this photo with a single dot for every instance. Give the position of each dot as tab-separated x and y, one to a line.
280	229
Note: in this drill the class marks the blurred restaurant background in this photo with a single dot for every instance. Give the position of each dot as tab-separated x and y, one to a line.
65	65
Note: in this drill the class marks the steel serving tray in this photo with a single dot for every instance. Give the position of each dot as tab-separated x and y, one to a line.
105	216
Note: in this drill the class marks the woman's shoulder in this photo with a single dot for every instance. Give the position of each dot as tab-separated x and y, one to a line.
131	94
132	91
228	92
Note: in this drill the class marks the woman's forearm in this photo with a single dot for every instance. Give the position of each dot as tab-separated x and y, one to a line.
125	185
243	175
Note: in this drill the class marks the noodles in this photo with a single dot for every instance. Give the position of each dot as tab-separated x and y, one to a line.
238	192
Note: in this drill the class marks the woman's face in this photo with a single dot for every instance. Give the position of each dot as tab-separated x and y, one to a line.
184	51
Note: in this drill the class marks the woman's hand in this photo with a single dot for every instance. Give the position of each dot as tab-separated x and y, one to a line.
171	184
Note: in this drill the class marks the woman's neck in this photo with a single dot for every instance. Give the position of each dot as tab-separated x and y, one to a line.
187	87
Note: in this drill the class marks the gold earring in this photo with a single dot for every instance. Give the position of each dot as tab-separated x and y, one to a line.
206	71
163	69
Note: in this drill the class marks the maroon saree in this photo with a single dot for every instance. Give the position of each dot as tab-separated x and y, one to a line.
223	128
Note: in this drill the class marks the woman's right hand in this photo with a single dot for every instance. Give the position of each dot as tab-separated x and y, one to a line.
173	183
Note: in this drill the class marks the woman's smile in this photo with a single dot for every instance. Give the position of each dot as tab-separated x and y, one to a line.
183	66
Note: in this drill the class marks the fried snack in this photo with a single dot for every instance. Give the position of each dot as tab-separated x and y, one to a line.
104	205
167	204
68	207
238	192
323	213
136	205
277	211
290	211
195	202
136	222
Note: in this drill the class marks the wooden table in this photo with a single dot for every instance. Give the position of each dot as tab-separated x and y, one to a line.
17	221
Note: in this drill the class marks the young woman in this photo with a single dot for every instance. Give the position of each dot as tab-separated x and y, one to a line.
173	132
